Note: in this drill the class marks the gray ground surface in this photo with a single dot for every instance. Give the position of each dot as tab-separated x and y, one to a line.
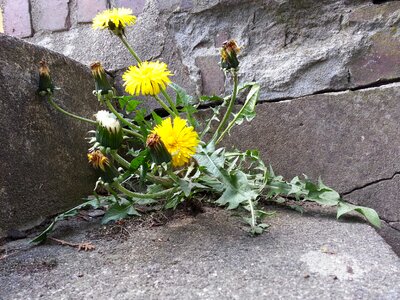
206	257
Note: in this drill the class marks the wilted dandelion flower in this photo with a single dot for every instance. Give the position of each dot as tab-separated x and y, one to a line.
101	82
157	149
45	84
229	52
98	159
148	78
179	139
115	19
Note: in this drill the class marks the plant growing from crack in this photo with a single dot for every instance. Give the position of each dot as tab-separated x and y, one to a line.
178	158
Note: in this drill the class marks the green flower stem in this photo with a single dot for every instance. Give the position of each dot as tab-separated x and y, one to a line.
228	111
155	179
139	195
125	42
120	159
171	103
123	121
165	106
55	105
172	113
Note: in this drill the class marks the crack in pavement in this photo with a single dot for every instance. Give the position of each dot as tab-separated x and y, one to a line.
369	184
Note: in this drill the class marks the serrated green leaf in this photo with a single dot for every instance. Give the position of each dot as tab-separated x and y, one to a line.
118	212
123	100
236	186
321	194
140	160
182	97
131	105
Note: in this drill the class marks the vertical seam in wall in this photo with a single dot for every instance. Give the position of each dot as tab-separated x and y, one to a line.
68	18
30	18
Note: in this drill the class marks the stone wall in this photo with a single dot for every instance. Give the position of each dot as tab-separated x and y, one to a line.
328	71
43	163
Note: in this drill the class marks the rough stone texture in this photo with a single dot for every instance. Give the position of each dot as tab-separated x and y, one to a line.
309	256
17	18
88	9
50	15
376	64
43	153
88	45
294	48
212	77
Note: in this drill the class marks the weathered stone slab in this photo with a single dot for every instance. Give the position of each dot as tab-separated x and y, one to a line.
310	256
349	139
43	160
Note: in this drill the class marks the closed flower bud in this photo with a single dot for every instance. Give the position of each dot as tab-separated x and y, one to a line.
109	131
102	85
45	84
101	162
157	149
229	52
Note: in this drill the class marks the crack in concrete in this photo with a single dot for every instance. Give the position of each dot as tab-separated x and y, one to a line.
357	188
388	223
379	83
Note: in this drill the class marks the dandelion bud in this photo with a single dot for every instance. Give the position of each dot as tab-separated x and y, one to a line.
45	84
229	52
101	162
157	149
109	131
102	85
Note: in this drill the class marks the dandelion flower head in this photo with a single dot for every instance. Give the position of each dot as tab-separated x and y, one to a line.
179	139
115	19
148	78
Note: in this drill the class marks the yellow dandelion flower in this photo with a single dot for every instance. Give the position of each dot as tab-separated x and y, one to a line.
179	139
148	78
115	19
